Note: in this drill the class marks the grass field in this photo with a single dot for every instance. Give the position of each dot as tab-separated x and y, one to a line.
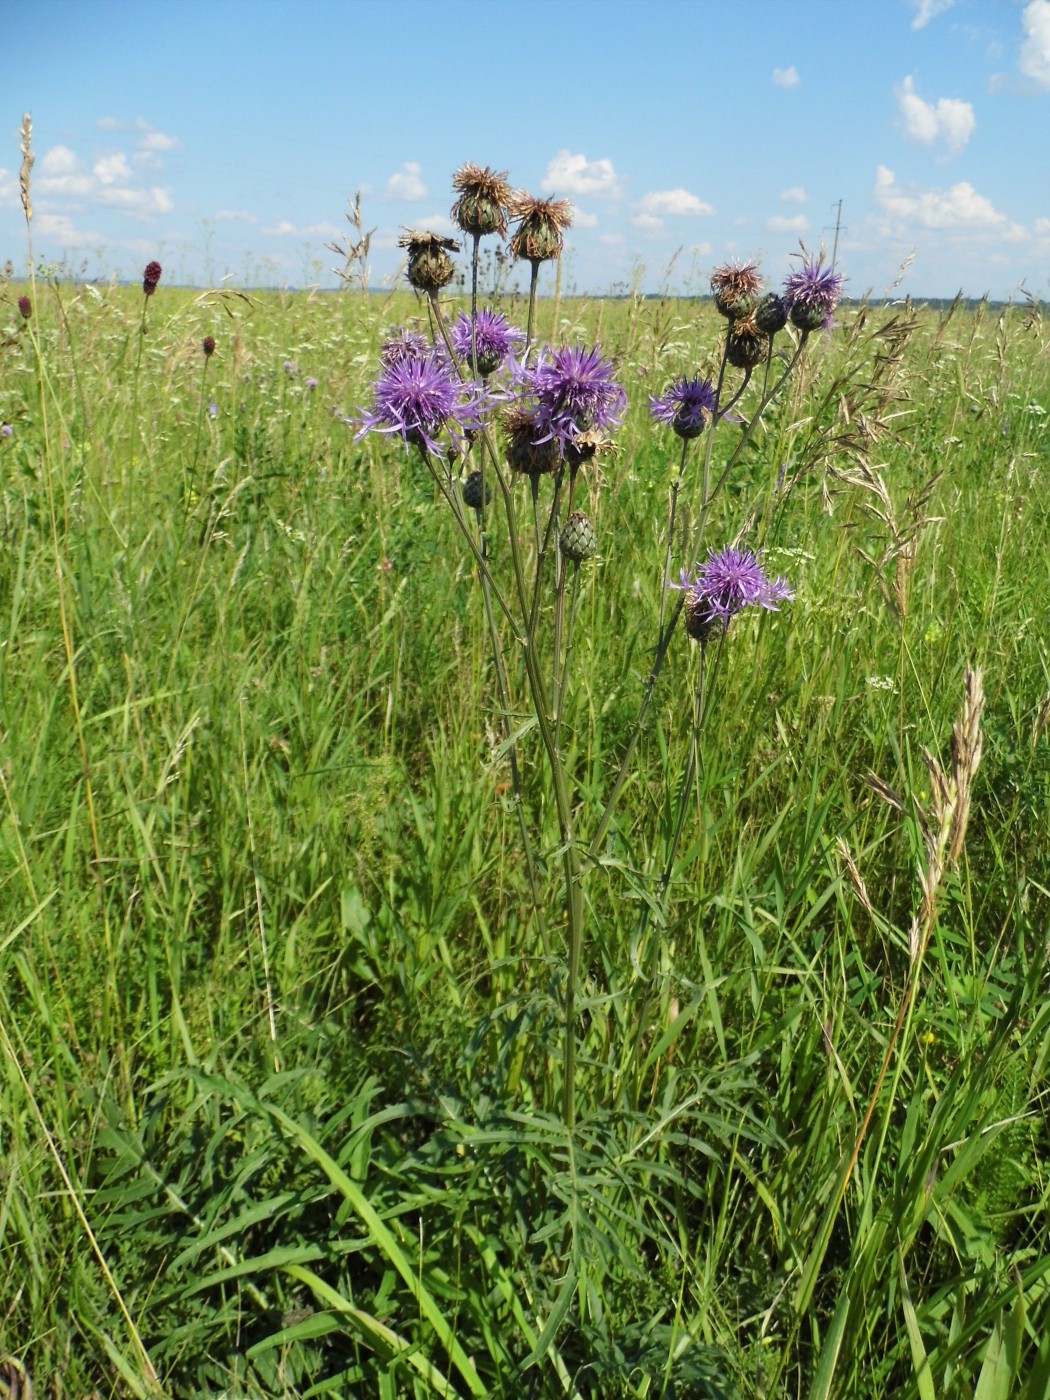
282	1025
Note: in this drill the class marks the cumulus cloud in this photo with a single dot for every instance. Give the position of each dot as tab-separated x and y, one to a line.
673	202
8	187
581	219
782	223
110	182
575	174
157	141
407	183
647	223
1034	62
143	203
786	77
795	195
60	229
284	228
958	207
950	118
925	10
59	160
111	169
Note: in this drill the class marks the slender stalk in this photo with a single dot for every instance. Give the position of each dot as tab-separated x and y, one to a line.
533	282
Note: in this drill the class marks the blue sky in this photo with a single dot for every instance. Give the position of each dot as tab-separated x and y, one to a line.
224	137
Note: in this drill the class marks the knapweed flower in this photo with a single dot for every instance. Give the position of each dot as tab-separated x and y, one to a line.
417	398
25	308
213	409
151	277
310	384
687	406
483	198
429	266
575	393
746	346
728	582
735	287
6	430
538	236
494	337
812	294
208	346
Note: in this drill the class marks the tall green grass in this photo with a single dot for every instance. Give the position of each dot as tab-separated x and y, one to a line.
280	1107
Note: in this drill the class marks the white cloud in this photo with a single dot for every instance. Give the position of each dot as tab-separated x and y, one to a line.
614	240
925	10
59	227
59	160
407	183
284	228
157	141
951	118
143	203
960	207
1034	62
795	195
108	124
581	219
648	223
237	216
781	223
673	202
109	169
8	187
575	174
786	77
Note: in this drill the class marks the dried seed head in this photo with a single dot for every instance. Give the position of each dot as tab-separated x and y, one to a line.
578	540
746	346
771	314
429	266
736	287
524	453
483	198
538	236
28	161
151	277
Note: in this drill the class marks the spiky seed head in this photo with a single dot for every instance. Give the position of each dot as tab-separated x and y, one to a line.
524	453
472	491
746	346
429	266
771	314
151	277
538	236
736	287
578	540
483	198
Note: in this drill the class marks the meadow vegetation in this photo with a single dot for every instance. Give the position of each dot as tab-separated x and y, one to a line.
282	1020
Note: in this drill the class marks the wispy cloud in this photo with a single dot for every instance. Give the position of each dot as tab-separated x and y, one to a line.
284	228
949	118
60	229
795	195
1034	62
925	10
783	223
238	216
575	174
786	77
407	183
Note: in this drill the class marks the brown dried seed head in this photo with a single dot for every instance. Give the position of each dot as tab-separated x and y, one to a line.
483	198
429	266
538	236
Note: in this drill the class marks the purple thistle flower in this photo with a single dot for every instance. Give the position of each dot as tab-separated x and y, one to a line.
812	295
687	406
728	582
311	383
575	394
495	337
417	398
6	430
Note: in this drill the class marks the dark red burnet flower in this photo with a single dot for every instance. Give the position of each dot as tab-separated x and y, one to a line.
25	307
208	346
151	277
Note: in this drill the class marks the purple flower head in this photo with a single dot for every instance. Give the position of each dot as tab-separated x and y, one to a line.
6	430
25	308
213	409
402	345
417	398
728	582
496	338
151	277
687	406
812	294
208	346
575	393
311	383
